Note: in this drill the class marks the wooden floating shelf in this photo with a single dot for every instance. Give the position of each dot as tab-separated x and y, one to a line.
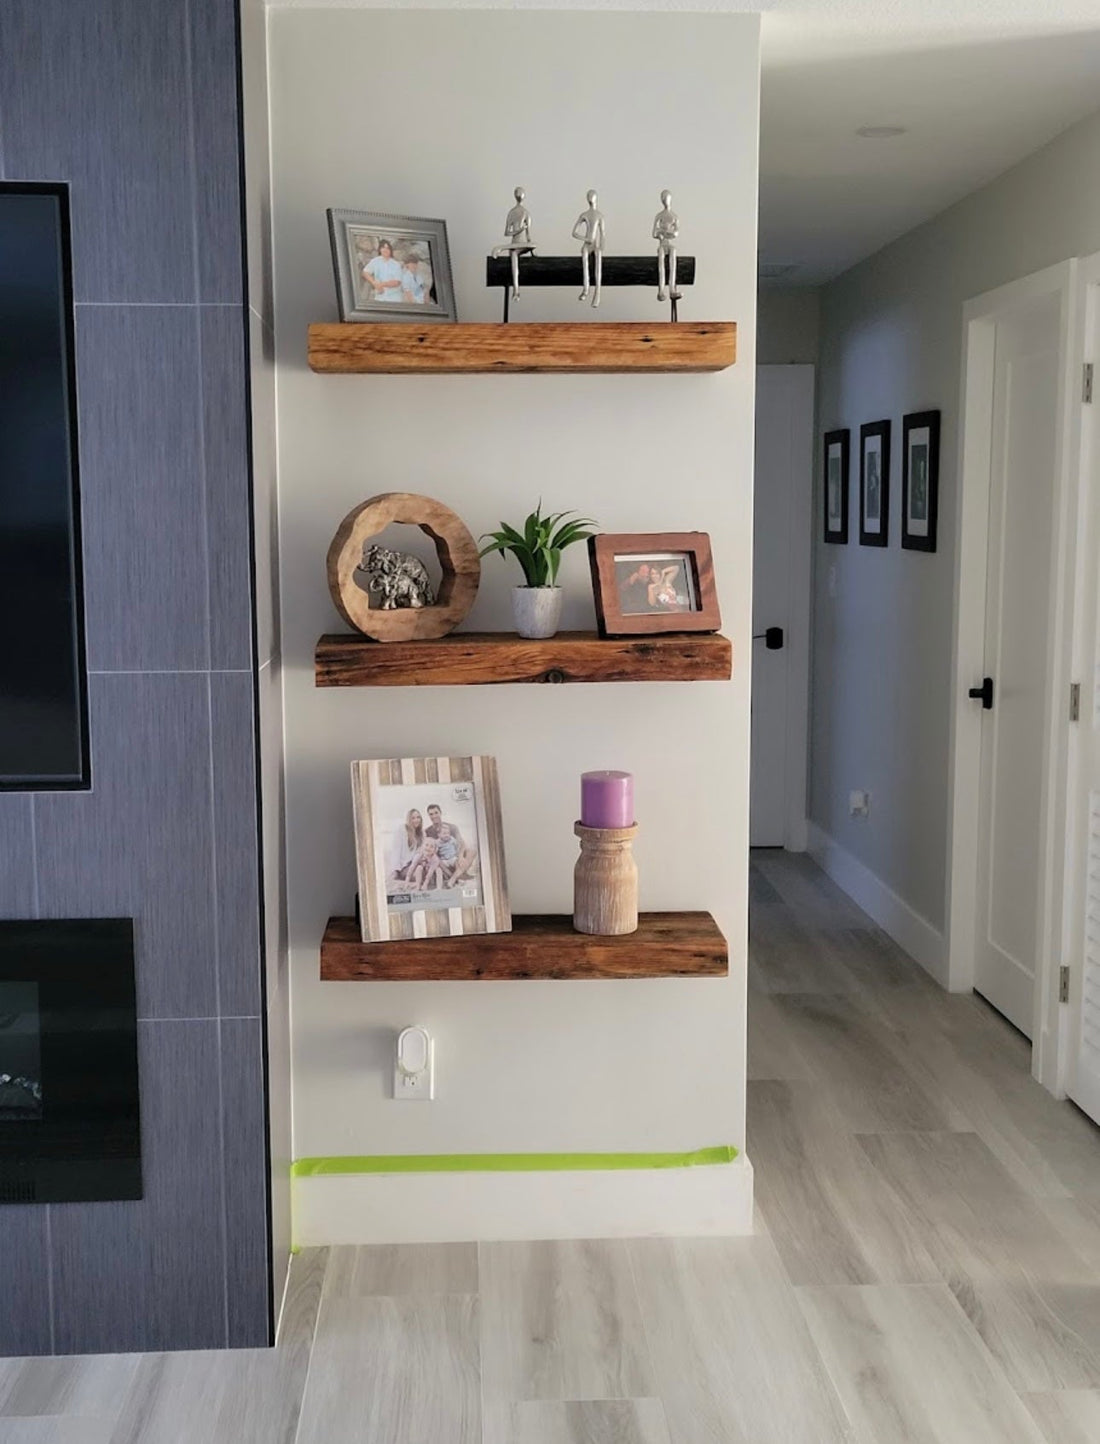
666	945
485	658
396	349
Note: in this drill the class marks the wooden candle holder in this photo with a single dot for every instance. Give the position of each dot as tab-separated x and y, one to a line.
605	881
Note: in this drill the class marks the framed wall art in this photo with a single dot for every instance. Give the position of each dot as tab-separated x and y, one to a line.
429	847
874	484
391	268
837	458
653	582
920	480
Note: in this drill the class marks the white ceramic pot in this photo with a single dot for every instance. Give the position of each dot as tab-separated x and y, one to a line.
537	610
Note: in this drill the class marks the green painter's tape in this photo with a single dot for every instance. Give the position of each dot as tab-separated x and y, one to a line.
506	1162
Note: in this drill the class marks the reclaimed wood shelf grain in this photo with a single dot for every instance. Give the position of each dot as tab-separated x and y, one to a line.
666	945
486	658
595	346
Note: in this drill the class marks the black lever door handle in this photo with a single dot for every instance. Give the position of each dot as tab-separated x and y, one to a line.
772	638
984	693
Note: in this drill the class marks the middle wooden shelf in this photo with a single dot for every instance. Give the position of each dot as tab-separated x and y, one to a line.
666	945
480	658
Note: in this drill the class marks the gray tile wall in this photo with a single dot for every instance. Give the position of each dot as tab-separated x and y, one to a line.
135	105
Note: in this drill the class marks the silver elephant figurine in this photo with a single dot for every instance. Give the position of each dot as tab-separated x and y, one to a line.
399	579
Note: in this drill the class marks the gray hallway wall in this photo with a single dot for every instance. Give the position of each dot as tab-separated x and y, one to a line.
135	104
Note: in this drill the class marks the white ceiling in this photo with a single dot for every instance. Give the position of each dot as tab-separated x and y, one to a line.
979	84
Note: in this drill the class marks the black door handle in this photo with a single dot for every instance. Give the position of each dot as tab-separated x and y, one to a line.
984	693
772	638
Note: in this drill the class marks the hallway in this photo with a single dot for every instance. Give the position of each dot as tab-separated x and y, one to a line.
936	1210
926	1268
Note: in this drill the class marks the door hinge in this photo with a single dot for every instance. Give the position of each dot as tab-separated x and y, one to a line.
1063	984
1075	701
1086	390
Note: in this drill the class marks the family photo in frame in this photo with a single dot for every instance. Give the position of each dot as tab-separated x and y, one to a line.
429	847
391	268
653	582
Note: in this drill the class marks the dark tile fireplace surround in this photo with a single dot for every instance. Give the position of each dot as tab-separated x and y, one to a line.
135	106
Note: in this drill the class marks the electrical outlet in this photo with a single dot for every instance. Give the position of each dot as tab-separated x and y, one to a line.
859	804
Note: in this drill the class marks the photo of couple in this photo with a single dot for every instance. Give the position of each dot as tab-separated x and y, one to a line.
431	853
658	583
391	272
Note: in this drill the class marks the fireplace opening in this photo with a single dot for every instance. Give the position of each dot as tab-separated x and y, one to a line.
69	1106
20	1053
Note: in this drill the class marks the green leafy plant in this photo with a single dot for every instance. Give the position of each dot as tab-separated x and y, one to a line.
539	546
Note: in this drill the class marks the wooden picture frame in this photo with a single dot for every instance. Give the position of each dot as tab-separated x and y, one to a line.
406	809
653	583
874	484
834	488
920	480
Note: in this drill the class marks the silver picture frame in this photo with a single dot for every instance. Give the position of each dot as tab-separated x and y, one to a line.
411	281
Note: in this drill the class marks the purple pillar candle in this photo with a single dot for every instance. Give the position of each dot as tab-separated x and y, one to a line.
607	799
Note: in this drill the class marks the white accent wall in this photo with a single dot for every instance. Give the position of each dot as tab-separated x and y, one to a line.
442	114
892	343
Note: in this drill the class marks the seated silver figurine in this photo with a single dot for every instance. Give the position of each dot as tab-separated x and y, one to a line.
590	230
666	228
517	227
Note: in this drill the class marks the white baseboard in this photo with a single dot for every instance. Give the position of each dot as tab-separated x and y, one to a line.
459	1207
924	943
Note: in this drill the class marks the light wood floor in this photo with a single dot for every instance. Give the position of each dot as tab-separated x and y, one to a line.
926	1268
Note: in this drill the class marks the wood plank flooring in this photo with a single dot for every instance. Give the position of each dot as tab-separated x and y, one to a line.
926	1268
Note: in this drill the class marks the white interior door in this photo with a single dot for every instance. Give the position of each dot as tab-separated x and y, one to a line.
782	510
1083	1073
1024	452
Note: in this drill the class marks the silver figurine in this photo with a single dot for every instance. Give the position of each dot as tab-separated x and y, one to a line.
590	230
517	228
399	579
666	228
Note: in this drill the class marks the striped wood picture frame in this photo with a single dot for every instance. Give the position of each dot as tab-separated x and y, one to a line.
386	796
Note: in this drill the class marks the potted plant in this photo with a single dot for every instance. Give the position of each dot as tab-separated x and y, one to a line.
536	605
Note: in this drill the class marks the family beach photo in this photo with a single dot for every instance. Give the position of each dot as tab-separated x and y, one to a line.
431	854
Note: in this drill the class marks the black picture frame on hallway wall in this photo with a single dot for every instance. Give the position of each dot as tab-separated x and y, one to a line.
835	485
874	484
920	480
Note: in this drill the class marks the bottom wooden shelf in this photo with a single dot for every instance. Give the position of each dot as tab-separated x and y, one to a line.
666	945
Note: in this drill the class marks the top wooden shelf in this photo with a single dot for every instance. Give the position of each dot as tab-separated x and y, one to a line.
384	348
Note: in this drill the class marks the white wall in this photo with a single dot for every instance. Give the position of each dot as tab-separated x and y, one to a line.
441	114
788	325
261	319
892	343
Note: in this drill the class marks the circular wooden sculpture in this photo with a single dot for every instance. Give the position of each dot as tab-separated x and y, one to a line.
458	559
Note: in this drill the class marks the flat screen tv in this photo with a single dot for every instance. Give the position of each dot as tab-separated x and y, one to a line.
43	681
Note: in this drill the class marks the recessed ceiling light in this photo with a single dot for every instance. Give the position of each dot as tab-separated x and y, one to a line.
880	132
